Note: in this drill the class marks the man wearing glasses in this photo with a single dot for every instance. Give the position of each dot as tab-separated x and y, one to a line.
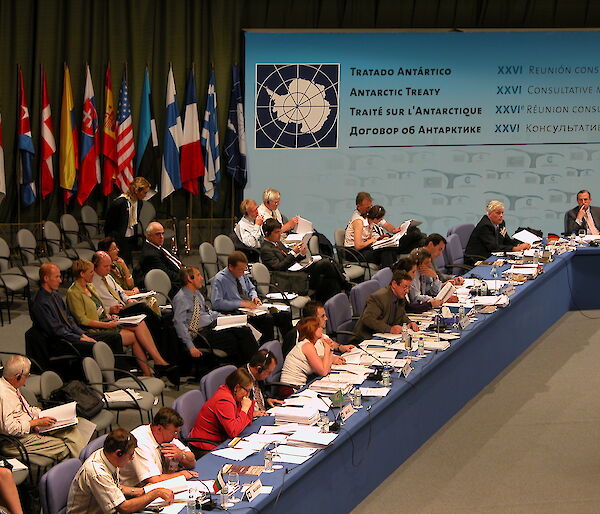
159	454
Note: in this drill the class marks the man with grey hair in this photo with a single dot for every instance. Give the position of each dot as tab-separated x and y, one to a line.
156	256
19	419
490	235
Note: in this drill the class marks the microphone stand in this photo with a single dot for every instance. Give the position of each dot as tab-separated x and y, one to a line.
335	426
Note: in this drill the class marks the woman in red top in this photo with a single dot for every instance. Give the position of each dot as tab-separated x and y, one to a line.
226	413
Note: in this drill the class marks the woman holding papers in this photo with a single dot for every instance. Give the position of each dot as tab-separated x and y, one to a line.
87	310
362	233
311	355
225	414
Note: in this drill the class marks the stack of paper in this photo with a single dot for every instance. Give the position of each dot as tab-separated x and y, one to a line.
131	320
223	322
177	485
64	415
141	296
327	386
281	296
311	439
234	453
288	428
500	301
440	345
121	395
301	415
374	391
293	454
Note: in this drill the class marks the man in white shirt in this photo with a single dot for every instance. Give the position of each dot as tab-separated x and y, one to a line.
97	489
159	454
248	229
23	421
583	217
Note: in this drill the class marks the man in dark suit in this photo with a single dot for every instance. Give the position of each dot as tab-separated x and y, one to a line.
584	216
324	278
384	311
156	256
490	235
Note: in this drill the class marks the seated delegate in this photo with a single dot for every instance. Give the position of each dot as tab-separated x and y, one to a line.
490	235
225	414
312	355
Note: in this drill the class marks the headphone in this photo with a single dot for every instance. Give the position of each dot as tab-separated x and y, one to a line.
267	358
120	452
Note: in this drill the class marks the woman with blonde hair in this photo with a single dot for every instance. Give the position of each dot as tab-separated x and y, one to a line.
123	214
87	309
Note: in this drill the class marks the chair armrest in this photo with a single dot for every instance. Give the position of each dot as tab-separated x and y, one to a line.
130	375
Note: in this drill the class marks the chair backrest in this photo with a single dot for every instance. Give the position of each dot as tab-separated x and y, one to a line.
147	214
223	246
338	236
212	380
49	382
339	316
91	447
566	222
157	280
454	253
360	293
93	374
276	349
70	227
209	260
4	255
439	261
90	219
105	358
27	244
383	276
52	237
262	276
188	406
313	245
55	485
463	231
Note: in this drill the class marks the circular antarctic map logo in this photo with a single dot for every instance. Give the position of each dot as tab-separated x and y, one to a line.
297	105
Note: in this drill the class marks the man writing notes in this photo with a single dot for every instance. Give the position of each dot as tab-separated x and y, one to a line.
194	321
384	311
584	216
232	289
490	235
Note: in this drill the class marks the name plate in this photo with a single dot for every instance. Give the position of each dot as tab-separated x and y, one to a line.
253	490
406	369
346	412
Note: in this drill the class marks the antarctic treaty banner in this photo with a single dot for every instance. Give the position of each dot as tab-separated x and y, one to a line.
433	125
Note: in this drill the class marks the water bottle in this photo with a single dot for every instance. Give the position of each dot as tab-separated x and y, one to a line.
421	347
357	398
536	257
494	271
386	378
461	313
405	338
194	503
268	461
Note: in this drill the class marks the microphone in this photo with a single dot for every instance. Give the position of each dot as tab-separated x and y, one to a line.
335	426
376	375
208	504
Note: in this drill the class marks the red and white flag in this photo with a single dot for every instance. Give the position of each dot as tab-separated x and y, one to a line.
48	143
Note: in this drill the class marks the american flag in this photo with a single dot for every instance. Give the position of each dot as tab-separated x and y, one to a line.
125	143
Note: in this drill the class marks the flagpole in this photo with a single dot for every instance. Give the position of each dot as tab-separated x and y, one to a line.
16	154
39	181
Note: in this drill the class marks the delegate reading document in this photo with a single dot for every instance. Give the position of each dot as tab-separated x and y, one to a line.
65	416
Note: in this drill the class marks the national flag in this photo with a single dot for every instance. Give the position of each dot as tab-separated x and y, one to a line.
89	171
69	159
192	164
109	136
125	143
219	481
146	164
48	143
170	176
2	174
210	143
235	136
25	148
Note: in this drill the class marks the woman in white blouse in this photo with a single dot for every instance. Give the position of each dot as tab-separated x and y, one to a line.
312	354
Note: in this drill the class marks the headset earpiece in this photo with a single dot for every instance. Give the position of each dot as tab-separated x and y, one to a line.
120	453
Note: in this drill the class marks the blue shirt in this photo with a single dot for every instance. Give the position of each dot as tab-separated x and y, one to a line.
50	314
225	296
183	308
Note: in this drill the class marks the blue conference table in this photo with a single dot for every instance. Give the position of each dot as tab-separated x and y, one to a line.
380	437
